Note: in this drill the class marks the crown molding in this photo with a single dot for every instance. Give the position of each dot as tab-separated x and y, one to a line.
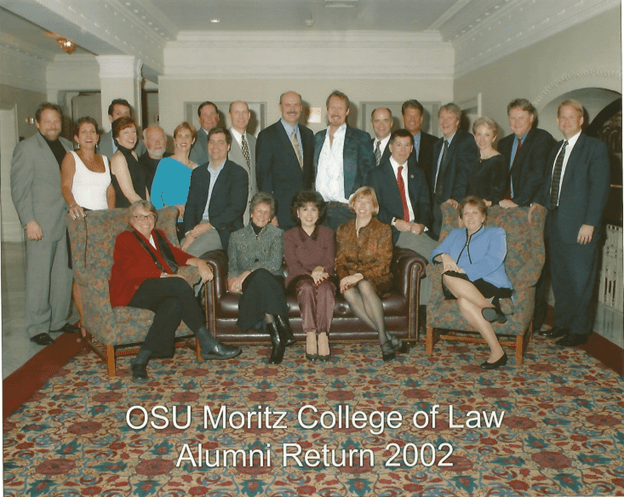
119	66
521	24
345	55
22	70
606	78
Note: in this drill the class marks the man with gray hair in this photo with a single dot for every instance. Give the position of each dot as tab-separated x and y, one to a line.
155	142
454	154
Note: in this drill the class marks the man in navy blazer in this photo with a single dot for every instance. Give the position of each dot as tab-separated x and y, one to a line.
451	167
526	152
382	122
413	113
281	169
575	193
217	198
343	158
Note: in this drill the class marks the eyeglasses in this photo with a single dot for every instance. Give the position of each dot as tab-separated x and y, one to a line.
149	217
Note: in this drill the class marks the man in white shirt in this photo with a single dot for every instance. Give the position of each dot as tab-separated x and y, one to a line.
343	158
243	151
382	122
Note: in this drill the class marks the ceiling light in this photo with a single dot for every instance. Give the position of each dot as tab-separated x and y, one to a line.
215	21
67	45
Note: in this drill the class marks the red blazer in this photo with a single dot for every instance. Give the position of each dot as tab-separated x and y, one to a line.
132	265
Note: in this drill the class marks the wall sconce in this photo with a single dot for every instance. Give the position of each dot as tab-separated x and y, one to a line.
67	45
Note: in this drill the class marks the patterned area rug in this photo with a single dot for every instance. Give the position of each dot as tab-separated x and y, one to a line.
353	426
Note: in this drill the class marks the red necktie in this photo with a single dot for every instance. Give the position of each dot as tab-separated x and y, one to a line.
401	186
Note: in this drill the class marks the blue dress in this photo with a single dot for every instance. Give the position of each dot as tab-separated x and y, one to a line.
171	183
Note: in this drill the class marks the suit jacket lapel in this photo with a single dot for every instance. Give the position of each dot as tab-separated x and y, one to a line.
349	156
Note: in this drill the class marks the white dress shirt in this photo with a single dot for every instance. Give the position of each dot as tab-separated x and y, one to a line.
330	171
395	167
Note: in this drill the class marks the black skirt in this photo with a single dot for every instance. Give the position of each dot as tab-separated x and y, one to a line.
487	289
263	293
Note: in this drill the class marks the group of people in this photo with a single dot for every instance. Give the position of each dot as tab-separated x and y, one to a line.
372	193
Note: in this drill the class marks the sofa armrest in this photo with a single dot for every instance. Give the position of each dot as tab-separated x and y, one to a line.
218	261
408	267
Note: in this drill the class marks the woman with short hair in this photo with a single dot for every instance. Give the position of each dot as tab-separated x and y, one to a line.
363	257
474	273
309	254
255	255
129	175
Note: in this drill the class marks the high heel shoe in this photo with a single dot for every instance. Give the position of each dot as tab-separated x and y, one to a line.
495	365
311	347
387	351
399	345
277	350
493	314
323	347
285	330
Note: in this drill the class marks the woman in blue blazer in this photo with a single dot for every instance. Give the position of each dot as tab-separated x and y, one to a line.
474	273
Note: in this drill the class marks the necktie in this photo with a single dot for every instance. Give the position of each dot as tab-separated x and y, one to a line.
401	186
556	177
509	192
245	148
295	144
438	188
377	153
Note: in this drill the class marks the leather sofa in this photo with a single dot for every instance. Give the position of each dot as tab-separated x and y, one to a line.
400	307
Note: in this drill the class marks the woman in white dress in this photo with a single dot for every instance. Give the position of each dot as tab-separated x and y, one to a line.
86	181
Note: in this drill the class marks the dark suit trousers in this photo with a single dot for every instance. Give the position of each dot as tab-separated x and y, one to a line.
173	301
573	270
337	215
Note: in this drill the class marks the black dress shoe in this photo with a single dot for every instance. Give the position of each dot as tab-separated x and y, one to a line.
139	373
495	365
42	339
67	328
555	332
572	340
285	331
387	351
221	351
494	314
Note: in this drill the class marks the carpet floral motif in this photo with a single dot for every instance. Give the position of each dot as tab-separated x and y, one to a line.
554	426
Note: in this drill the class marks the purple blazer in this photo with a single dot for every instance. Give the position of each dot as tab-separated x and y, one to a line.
303	252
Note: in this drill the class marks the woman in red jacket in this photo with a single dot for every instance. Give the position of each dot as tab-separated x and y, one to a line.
144	276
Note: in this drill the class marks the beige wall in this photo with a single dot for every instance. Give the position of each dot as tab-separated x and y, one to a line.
174	92
27	102
587	55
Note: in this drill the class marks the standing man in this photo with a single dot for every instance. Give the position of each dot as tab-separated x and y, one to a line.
243	150
575	192
216	200
284	157
107	146
208	118
413	114
454	154
403	196
155	143
382	122
526	152
36	192
343	158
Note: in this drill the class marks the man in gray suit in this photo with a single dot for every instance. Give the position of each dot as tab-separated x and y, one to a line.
243	151
107	146
208	118
36	192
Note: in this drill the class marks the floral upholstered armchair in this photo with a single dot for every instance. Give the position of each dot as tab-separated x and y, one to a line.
523	264
93	240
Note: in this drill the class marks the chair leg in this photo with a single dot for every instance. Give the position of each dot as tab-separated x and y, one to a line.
110	360
198	351
430	343
520	346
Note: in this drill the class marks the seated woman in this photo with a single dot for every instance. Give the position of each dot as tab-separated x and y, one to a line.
144	276
474	273
255	255
129	175
490	175
173	175
85	183
363	257
309	255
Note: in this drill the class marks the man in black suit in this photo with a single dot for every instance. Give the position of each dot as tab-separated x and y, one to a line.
422	154
284	158
208	115
403	196
453	157
343	158
575	193
217	198
526	151
382	122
